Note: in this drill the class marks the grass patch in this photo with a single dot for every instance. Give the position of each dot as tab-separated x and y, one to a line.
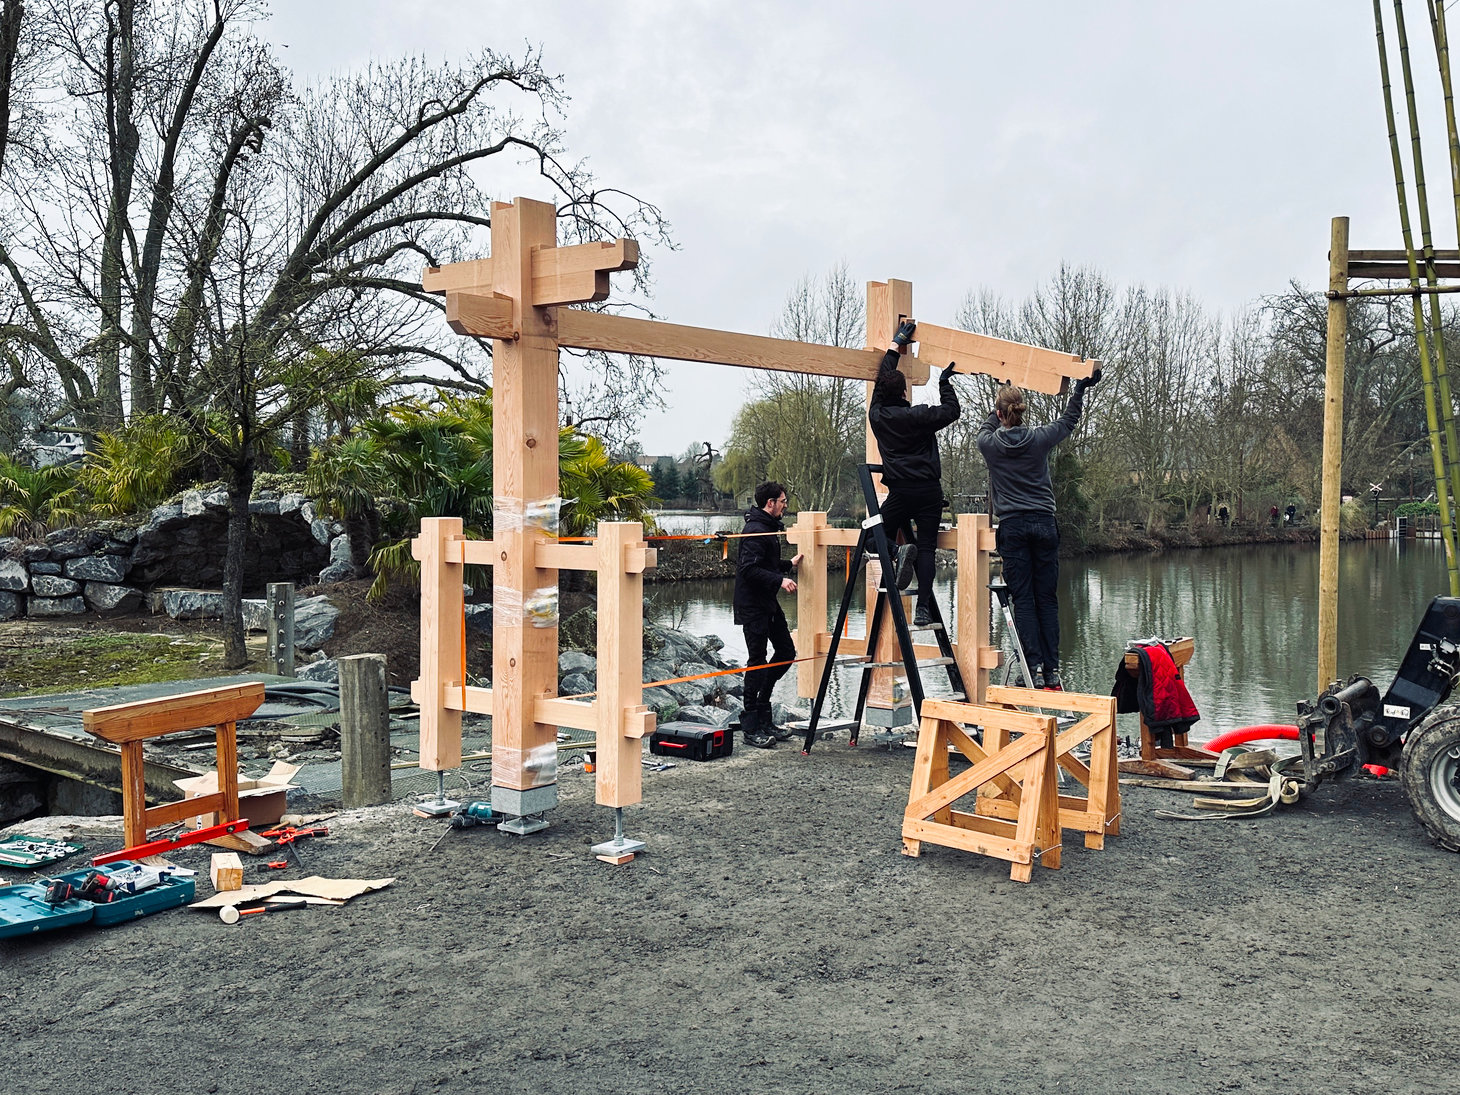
37	667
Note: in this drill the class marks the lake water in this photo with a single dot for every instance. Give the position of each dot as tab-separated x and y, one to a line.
1252	610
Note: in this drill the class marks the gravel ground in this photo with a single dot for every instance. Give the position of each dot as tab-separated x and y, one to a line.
773	938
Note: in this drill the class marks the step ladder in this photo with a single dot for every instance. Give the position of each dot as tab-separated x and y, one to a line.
1000	589
875	537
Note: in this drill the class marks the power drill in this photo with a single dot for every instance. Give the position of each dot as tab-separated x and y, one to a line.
471	814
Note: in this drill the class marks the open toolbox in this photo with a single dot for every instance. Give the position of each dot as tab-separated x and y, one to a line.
24	909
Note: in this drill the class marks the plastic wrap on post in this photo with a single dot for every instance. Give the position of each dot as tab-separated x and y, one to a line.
527	768
515	515
539	608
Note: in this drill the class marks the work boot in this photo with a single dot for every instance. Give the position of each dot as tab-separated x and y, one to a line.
1052	680
923	616
754	727
768	721
1038	680
907	562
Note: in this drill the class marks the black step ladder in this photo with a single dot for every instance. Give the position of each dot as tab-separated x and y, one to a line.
888	603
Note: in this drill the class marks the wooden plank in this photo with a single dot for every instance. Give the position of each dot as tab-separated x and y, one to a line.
1160	768
475	274
225	755
975	655
811	585
1399	271
1181	653
551	555
651	338
972	778
441	636
966	840
1031	367
485	315
579	274
972	714
212	806
1398	256
134	795
188	711
618	779
470	552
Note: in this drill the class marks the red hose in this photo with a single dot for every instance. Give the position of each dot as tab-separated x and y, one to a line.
1244	734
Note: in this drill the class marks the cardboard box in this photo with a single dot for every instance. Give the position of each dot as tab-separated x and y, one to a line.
260	799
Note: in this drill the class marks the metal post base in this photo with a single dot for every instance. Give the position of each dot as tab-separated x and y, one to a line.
435	809
522	825
616	848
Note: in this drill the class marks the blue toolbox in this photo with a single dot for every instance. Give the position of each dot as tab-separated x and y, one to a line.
100	896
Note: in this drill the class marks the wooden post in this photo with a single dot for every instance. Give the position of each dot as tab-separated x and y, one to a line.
280	606
525	472
810	597
885	302
1332	454
364	731
619	778
442	600
975	655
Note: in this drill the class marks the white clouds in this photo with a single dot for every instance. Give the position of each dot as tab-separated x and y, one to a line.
1202	146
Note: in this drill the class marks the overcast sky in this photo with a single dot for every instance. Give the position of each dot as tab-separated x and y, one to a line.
1201	146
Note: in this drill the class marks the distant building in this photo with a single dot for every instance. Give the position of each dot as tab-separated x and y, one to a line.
49	447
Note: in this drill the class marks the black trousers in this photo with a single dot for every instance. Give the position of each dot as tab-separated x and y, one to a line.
774	631
920	503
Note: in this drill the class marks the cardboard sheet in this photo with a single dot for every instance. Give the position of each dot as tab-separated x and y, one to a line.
332	889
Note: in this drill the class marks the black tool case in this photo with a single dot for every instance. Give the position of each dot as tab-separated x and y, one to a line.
692	741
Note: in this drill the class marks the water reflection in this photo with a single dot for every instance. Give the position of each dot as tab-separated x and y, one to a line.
1252	610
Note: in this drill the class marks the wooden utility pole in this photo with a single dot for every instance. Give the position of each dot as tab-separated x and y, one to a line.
1332	453
364	731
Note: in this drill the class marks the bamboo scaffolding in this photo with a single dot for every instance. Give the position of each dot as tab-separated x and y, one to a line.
1433	418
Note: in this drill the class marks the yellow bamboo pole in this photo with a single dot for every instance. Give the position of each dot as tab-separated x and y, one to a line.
1433	416
1332	454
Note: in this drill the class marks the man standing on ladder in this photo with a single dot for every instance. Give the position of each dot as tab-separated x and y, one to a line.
1027	537
760	575
907	439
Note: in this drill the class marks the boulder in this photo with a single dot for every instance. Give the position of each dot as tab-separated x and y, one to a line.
14	576
326	670
479	617
705	716
192	604
107	599
34	552
265	507
713	687
255	614
314	622
320	531
575	684
11	606
335	573
98	568
290	503
55	606
687	692
48	585
192	503
340	550
575	661
40	567
662	703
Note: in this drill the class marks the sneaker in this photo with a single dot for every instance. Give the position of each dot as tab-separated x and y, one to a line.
923	616
768	721
1052	681
1038	681
907	561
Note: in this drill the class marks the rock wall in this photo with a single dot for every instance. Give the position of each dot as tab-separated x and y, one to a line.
107	568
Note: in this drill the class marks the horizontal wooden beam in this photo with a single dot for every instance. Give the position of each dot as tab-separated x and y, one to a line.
189	711
560	275
651	338
1397	256
481	313
1399	270
1031	367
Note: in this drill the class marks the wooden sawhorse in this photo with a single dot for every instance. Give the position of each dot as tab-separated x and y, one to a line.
130	724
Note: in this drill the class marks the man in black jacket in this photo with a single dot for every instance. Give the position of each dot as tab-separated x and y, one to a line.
907	438
761	574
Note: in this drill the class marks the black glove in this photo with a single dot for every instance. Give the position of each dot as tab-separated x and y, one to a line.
1088	382
905	331
948	372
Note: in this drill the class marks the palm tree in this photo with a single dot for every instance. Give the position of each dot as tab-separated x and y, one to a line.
34	501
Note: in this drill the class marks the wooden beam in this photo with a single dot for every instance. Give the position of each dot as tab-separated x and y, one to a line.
651	338
578	275
1399	256
1031	367
1398	271
484	314
149	718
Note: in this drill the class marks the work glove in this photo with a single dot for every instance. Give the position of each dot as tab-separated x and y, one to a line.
1089	382
948	372
905	331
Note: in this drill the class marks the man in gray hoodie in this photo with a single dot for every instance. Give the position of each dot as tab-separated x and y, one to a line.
1027	537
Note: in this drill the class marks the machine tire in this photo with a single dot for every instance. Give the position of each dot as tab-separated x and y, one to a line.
1429	770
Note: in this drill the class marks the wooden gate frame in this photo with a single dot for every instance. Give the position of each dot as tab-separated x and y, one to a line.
1022	768
516	298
